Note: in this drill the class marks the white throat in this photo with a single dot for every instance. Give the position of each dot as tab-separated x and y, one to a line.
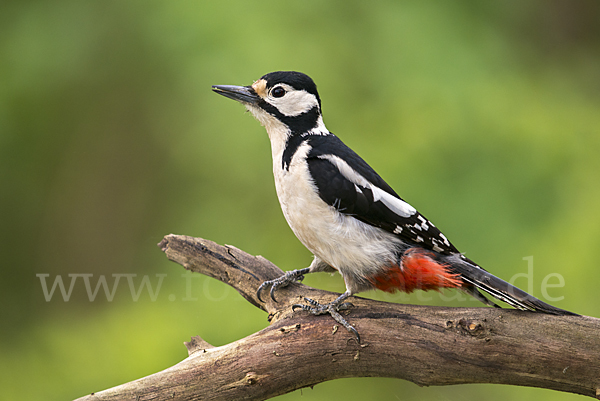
278	132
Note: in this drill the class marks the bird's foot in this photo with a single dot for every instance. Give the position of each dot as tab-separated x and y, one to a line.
332	308
288	277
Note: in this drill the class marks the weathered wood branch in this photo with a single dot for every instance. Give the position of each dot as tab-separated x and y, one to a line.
425	345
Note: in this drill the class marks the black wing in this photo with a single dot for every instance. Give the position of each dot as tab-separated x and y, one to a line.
358	200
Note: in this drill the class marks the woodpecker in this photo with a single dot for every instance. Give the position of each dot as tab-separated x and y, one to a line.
348	216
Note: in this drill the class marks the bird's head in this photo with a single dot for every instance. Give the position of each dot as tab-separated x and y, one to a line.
282	99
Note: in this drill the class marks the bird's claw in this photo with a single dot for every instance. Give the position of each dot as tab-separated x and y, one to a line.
287	278
332	308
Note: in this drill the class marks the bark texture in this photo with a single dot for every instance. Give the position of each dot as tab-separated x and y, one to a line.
425	345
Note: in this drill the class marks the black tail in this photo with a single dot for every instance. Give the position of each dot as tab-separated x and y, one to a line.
479	278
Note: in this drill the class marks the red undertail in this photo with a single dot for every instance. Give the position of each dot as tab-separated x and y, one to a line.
417	271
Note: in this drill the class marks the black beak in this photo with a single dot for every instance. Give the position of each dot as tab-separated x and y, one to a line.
243	94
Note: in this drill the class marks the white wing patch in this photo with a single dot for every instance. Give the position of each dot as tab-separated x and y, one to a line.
396	205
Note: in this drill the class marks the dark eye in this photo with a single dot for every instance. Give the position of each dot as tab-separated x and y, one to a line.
278	92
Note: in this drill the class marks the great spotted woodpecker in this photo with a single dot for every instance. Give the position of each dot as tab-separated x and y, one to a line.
347	215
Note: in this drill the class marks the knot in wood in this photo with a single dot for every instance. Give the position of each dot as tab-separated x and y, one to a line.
251	378
289	329
469	327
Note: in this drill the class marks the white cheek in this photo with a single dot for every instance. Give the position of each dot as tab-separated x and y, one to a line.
294	103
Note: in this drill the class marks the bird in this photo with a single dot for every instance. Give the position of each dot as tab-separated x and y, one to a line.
347	216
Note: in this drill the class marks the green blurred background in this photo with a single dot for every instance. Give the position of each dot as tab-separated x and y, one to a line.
484	115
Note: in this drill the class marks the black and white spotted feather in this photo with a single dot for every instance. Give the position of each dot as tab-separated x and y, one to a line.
359	200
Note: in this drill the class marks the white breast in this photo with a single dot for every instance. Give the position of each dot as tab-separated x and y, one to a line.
355	249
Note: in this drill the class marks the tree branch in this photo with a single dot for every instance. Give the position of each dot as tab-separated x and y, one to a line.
425	345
